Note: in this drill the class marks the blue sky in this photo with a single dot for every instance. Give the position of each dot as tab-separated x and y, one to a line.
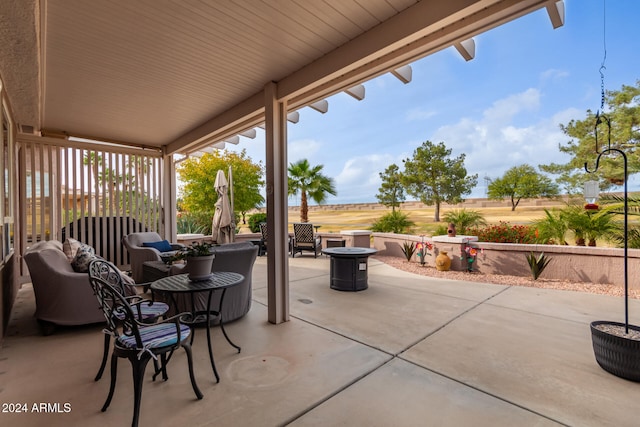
501	109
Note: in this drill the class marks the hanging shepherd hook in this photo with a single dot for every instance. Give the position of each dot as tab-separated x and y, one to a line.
599	120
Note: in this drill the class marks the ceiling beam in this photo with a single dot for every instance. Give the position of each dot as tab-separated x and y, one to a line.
357	92
466	48
404	74
556	13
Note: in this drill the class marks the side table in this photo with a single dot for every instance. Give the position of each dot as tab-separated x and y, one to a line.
349	268
180	284
154	270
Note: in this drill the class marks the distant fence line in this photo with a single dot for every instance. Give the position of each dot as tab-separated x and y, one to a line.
475	203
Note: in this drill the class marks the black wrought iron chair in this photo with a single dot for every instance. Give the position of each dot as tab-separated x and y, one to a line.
146	311
139	342
304	239
263	240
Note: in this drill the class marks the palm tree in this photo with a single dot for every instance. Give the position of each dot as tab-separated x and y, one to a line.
552	227
465	219
310	182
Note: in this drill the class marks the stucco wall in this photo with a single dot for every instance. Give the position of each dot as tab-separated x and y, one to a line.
573	263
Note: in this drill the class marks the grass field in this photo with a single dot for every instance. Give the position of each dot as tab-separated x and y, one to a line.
336	218
334	221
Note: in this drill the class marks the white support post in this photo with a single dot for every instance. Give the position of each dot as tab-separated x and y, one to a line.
277	216
169	198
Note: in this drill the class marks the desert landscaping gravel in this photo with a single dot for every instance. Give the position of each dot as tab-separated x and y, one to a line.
594	288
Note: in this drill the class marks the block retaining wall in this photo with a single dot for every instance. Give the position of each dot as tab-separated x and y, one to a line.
572	263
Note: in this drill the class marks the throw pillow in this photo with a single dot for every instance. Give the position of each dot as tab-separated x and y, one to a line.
70	248
162	246
83	258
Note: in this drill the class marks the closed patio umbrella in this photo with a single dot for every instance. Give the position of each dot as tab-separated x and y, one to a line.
222	228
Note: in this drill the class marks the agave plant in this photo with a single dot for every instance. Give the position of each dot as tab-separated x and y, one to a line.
537	264
408	249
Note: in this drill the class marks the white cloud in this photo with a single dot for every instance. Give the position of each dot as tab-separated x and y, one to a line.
302	149
553	74
359	178
506	108
494	143
417	114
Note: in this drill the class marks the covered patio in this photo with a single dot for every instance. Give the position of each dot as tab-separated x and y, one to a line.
145	83
408	351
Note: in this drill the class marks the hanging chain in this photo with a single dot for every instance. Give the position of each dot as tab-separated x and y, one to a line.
604	59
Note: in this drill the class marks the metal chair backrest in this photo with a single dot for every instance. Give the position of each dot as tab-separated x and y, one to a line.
108	272
303	232
263	230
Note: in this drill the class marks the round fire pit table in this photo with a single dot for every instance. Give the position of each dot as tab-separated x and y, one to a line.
349	268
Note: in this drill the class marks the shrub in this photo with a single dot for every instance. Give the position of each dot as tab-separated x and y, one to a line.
255	220
194	222
440	230
552	228
505	233
464	219
393	222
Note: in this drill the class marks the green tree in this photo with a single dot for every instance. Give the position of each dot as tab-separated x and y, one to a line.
391	191
521	182
434	177
199	176
624	113
309	182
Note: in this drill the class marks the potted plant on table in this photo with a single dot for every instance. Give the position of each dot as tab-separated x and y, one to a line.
198	258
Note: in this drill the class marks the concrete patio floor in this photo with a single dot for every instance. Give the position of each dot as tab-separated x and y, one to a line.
408	351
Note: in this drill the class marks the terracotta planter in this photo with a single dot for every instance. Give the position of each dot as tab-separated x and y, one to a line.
615	354
199	268
443	262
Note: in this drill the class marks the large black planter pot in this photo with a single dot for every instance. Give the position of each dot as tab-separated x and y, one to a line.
617	355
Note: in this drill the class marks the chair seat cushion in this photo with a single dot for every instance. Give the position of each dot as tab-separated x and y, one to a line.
155	336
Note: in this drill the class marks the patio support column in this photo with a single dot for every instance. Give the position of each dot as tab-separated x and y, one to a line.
277	194
169	198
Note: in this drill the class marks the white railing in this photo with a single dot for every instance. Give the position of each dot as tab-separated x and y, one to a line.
93	192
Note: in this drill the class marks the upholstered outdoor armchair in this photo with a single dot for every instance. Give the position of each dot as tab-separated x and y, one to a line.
63	296
147	246
238	257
